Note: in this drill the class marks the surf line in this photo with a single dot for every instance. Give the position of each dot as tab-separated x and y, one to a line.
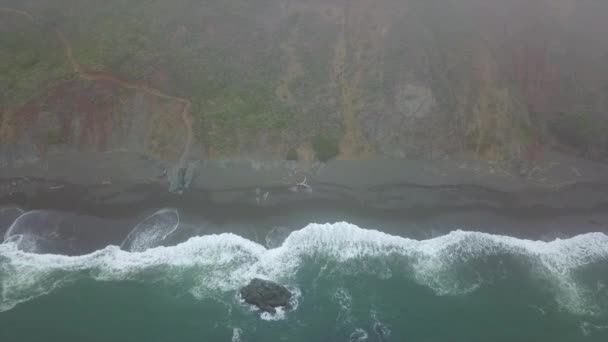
79	70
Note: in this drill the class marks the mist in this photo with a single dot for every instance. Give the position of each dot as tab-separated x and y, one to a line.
303	170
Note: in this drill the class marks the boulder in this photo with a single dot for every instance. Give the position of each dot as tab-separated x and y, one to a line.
266	295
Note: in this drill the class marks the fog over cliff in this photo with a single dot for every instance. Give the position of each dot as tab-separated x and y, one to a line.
503	81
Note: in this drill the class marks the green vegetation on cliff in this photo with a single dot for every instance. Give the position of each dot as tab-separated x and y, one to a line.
326	148
30	60
581	131
411	78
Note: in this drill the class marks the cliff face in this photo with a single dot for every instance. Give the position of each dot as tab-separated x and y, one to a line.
400	78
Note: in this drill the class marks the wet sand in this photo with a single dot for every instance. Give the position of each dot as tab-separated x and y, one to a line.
90	223
99	202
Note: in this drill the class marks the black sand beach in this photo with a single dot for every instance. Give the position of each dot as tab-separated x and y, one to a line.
405	198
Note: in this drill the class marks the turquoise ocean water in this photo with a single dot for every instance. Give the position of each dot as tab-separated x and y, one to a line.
349	284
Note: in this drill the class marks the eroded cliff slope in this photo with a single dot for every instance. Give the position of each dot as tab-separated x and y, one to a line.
174	80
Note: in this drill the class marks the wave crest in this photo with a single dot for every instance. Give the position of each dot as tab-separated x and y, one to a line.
207	264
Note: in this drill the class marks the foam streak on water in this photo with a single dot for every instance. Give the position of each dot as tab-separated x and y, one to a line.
25	230
152	231
226	262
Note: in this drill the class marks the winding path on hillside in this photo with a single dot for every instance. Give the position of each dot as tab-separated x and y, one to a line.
185	114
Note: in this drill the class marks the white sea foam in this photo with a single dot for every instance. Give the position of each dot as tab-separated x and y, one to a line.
32	228
278	315
236	335
226	262
359	335
382	331
15	225
151	231
275	237
345	301
589	329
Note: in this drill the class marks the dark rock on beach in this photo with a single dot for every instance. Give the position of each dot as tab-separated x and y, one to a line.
266	295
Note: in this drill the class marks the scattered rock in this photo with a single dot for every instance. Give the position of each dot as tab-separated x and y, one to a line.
266	295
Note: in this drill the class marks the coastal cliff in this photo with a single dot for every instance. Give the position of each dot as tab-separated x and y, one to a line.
505	83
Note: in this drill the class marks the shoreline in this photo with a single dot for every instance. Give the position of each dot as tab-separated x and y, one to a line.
251	199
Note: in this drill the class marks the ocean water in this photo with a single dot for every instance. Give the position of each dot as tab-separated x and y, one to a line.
349	284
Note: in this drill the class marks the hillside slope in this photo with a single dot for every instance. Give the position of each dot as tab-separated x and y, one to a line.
502	80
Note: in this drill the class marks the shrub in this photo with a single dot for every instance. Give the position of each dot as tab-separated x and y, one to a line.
325	148
580	131
292	154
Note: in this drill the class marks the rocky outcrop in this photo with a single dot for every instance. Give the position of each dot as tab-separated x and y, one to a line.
265	295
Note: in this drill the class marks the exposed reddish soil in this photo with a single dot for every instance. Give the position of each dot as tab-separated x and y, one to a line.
98	115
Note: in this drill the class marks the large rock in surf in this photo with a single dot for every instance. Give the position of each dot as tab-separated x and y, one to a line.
265	294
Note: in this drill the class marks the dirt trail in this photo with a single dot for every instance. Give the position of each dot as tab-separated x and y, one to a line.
107	77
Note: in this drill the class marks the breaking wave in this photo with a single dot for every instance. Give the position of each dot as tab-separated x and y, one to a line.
207	265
